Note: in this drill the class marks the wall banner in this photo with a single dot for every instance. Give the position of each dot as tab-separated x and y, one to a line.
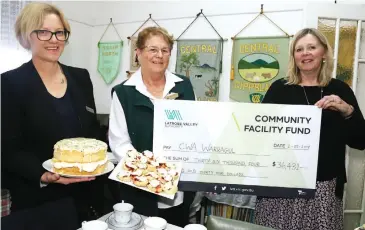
256	64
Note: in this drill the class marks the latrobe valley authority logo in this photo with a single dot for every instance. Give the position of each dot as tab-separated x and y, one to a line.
173	115
175	120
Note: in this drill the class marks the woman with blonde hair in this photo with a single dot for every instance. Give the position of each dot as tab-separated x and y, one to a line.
42	102
310	82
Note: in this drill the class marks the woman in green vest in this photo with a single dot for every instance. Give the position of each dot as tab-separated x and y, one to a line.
131	119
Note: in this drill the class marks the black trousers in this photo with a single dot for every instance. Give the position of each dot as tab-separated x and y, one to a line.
56	215
178	215
88	197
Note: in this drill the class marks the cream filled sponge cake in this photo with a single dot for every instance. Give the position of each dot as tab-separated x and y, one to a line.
79	156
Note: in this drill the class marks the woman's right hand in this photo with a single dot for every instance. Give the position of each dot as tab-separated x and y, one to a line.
49	177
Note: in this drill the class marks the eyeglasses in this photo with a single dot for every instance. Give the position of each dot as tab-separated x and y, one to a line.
46	35
155	50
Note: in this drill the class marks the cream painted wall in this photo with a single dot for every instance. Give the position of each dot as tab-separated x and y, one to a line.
89	19
228	17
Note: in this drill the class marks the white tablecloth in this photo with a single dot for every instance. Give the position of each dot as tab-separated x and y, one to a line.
169	226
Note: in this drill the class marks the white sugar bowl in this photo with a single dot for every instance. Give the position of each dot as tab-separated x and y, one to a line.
155	223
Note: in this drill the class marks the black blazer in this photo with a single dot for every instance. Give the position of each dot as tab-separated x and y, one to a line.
30	127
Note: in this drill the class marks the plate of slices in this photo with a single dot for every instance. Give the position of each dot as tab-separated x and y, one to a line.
48	165
148	172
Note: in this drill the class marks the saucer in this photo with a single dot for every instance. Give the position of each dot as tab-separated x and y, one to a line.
134	224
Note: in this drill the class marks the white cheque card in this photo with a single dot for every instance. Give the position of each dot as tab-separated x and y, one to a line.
228	147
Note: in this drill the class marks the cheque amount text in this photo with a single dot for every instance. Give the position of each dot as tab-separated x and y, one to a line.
285	165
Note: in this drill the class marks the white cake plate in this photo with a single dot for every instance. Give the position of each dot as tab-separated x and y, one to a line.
49	167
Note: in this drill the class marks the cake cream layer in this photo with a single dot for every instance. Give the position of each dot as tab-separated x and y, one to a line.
88	167
76	171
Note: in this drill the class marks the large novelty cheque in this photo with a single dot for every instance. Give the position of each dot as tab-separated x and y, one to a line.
227	147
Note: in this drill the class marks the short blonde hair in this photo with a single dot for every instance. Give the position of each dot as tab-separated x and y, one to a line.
153	31
32	18
325	74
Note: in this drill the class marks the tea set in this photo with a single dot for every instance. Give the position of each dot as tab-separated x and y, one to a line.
123	218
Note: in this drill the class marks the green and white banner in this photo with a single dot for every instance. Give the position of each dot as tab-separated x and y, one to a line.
200	60
257	63
110	54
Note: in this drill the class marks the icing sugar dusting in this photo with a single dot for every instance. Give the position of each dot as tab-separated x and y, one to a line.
85	145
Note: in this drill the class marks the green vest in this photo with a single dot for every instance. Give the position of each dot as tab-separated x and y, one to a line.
138	111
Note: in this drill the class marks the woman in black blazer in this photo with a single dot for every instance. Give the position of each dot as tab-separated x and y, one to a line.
42	102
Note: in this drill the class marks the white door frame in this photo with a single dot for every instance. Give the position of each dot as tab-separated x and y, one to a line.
338	12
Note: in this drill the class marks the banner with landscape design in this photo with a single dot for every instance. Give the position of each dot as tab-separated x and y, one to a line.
200	61
257	63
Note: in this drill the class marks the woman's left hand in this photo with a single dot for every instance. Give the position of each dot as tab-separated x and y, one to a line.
335	103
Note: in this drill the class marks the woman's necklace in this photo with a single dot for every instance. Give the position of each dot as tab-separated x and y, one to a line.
305	94
153	90
63	76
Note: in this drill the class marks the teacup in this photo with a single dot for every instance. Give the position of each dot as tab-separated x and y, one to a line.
123	212
94	225
155	223
195	227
